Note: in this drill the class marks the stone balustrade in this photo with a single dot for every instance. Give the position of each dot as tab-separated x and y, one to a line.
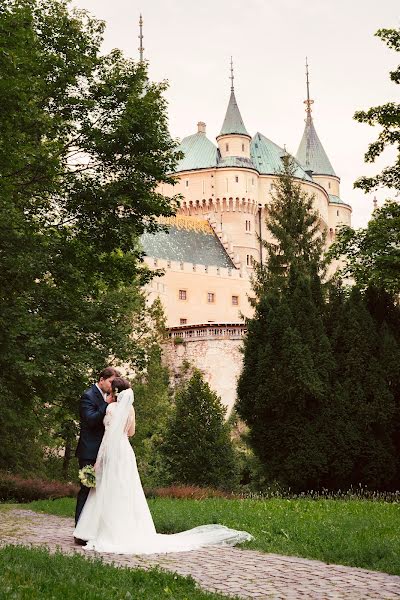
208	331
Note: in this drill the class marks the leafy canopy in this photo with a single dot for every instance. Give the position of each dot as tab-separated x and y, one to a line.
84	145
387	117
371	255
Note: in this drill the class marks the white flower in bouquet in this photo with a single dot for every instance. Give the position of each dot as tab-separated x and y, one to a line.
87	476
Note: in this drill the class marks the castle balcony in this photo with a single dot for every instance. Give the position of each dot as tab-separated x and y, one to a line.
207	331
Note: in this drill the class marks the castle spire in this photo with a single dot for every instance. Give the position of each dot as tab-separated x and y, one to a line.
311	154
233	122
308	102
232	77
140	36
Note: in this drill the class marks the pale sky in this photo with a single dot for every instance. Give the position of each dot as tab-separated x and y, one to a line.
190	44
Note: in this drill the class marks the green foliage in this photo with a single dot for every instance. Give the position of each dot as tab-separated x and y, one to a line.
387	117
85	143
364	411
197	447
344	530
285	381
35	574
153	406
371	256
320	388
294	227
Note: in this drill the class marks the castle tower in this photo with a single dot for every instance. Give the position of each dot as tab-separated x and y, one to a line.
236	184
233	139
311	153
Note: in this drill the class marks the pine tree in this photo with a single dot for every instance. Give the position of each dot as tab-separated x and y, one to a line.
363	411
197	446
285	382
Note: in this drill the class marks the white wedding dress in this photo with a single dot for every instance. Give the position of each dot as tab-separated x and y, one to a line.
116	517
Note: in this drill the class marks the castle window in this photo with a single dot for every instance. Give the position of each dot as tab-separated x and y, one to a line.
248	260
242	147
235	300
248	223
187	182
211	297
237	179
227	147
252	181
182	295
337	213
329	184
182	321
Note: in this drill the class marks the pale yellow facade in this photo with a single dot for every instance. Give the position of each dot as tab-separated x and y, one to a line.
235	203
227	186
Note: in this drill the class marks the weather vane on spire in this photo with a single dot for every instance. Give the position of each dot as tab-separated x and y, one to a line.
140	36
308	102
232	77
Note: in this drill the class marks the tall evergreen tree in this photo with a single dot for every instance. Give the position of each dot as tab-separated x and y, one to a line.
285	382
197	446
363	409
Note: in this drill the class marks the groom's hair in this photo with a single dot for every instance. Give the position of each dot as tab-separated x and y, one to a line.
120	384
109	372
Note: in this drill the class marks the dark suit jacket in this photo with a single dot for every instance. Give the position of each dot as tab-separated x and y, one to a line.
92	409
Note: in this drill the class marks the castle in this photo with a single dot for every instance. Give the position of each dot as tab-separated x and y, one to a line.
212	243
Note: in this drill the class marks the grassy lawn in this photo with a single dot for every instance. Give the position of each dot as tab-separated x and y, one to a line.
27	574
359	533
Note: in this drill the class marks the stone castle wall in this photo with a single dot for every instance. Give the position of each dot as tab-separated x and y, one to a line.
215	351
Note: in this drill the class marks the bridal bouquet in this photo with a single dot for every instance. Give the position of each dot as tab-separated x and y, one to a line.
87	476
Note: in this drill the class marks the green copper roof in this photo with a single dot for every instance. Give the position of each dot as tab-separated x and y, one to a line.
186	245
199	153
336	200
311	153
233	122
267	157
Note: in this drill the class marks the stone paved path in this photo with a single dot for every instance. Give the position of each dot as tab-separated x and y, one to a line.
230	571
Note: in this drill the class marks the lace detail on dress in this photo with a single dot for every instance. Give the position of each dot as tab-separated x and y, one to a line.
109	414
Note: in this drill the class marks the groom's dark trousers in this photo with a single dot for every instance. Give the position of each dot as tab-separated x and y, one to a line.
92	409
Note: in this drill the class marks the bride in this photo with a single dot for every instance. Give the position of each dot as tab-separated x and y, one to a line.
116	517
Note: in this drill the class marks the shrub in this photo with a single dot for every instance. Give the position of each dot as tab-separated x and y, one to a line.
197	446
17	488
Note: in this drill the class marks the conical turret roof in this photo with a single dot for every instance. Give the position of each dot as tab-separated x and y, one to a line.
311	153
233	122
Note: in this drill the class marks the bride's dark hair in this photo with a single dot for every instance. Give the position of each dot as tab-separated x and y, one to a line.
120	384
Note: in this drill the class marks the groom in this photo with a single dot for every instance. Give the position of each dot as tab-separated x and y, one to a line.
92	409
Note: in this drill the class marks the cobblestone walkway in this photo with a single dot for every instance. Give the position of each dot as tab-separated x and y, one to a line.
230	571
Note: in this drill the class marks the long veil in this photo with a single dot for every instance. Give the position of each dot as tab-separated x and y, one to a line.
111	464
